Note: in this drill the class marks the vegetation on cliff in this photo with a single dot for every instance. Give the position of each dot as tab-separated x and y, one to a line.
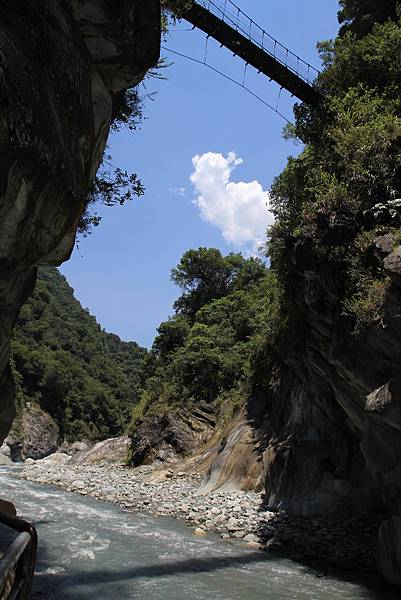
344	190
113	185
204	352
85	378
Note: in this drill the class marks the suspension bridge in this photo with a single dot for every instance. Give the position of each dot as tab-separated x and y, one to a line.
233	29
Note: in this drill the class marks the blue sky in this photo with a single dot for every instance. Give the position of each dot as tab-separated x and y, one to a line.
121	272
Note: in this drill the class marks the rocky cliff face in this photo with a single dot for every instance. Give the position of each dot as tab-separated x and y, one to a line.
63	69
335	438
203	441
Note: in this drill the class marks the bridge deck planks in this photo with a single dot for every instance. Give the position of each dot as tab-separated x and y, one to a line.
252	54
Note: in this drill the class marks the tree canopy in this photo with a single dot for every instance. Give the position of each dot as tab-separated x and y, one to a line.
333	200
204	352
205	275
359	16
85	378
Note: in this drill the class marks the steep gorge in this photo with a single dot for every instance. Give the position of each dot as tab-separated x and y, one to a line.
336	412
325	419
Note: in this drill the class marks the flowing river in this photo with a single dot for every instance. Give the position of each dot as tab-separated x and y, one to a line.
94	550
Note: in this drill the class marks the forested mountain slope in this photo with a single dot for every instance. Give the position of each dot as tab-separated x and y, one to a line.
85	378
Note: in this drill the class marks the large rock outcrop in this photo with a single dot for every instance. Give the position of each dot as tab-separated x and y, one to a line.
168	437
64	67
203	440
34	434
110	450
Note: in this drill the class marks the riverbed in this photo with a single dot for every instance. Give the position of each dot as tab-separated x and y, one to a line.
95	550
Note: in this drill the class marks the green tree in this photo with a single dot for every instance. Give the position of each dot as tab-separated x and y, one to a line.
334	199
85	378
172	334
204	275
204	352
359	16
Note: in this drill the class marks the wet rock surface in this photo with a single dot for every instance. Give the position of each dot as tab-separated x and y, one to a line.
337	541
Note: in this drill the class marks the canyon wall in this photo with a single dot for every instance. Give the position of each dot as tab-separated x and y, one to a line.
64	68
335	413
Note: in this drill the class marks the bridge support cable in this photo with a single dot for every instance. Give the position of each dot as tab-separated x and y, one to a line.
228	25
241	85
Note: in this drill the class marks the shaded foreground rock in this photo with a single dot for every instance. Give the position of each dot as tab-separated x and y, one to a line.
389	550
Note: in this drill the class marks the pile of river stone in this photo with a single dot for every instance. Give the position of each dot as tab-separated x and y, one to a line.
338	540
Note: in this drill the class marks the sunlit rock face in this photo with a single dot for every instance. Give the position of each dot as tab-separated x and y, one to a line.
63	69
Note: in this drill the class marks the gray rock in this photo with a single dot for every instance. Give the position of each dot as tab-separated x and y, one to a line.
215	510
79	484
251	537
5	449
35	435
112	449
238	534
57	458
392	263
385	243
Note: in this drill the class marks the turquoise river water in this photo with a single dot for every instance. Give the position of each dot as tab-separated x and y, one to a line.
94	550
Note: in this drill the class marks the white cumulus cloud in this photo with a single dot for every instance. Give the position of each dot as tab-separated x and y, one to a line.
239	209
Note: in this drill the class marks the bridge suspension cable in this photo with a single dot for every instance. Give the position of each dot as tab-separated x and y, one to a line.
228	24
242	85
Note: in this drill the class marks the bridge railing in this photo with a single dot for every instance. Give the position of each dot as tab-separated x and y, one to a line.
231	14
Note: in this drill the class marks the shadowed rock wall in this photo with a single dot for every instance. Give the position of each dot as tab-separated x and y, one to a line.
64	66
336	410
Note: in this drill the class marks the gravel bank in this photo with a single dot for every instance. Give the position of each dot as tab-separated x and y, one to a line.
334	541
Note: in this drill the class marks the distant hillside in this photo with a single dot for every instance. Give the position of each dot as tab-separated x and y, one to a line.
85	378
